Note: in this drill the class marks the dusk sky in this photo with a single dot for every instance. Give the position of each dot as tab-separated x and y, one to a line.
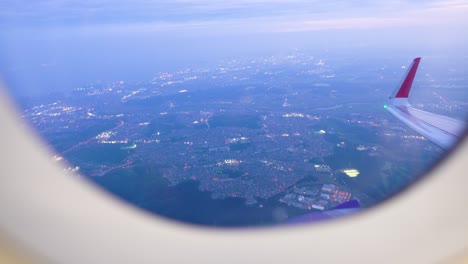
55	45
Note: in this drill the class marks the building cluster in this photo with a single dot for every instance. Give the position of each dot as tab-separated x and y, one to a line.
319	197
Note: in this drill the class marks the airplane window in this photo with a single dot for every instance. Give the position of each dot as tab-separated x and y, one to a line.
245	113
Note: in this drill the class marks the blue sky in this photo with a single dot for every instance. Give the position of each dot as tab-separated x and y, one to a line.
60	44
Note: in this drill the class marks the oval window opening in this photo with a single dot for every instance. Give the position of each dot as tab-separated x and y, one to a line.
253	118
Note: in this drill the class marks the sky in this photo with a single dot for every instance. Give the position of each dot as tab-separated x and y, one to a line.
52	45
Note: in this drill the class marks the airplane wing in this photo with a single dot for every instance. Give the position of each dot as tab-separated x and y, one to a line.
441	130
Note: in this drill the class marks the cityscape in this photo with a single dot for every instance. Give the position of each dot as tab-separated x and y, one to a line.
277	132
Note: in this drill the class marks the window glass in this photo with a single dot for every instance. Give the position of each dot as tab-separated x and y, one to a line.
241	113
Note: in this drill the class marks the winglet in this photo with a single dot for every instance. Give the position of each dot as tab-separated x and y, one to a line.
405	88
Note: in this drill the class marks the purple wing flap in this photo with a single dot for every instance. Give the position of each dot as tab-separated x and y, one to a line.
343	209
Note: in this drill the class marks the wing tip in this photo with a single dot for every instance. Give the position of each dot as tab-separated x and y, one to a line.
405	87
403	91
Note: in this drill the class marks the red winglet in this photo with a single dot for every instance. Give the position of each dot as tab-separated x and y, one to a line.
405	88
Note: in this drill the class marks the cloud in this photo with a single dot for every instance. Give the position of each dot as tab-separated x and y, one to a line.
234	16
113	11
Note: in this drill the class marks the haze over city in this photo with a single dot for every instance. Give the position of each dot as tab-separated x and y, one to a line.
56	46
